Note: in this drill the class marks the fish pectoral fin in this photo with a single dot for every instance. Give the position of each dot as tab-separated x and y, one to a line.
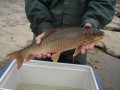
49	32
77	50
55	56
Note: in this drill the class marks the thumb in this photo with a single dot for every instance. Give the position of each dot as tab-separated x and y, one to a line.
38	38
88	25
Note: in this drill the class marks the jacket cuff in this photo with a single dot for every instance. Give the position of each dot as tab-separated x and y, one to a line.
43	26
94	22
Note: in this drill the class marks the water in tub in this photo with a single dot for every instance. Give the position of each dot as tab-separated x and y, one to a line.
42	87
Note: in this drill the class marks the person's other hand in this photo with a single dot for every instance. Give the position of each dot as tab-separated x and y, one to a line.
38	40
88	46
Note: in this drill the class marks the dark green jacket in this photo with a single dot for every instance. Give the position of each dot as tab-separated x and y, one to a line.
44	14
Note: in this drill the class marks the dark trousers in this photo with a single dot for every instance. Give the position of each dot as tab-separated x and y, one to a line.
67	57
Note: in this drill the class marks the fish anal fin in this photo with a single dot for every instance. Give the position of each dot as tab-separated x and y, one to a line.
29	57
77	50
55	56
48	32
16	55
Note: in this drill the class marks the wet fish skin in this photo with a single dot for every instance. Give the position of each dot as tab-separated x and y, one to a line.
57	41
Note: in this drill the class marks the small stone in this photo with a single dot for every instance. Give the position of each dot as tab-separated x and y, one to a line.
11	37
96	67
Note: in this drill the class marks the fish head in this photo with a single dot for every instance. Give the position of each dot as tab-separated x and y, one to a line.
97	35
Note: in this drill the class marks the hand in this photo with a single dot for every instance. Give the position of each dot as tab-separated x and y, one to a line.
38	41
88	46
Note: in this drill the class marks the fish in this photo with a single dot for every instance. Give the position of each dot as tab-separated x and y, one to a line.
56	41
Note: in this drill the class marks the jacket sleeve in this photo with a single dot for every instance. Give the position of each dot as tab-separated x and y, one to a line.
38	14
99	12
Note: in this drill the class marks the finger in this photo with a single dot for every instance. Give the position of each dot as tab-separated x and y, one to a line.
83	50
91	45
87	46
49	55
39	56
88	25
38	38
44	55
41	35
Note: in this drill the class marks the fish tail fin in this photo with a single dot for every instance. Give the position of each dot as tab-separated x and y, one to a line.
16	55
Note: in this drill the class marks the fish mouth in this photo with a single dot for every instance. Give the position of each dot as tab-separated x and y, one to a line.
102	34
99	35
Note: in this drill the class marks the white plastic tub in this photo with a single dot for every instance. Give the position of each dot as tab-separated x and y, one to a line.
49	73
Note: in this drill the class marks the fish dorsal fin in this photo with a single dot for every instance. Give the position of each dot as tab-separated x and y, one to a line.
48	32
77	50
55	56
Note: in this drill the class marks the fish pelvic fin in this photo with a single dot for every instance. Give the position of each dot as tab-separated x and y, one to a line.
16	55
55	56
77	50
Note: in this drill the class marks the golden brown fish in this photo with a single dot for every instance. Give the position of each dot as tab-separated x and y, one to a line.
57	41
